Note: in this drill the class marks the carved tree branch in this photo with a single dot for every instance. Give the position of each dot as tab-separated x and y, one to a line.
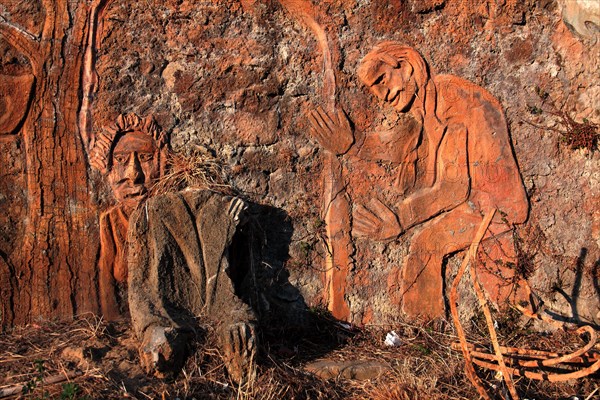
336	207
90	76
53	259
50	20
305	11
20	39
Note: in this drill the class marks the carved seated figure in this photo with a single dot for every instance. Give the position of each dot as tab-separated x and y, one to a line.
454	161
179	269
171	252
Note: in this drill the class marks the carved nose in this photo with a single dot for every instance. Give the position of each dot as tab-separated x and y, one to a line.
134	170
380	92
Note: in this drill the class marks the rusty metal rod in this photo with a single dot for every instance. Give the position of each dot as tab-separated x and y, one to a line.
541	376
526	355
469	368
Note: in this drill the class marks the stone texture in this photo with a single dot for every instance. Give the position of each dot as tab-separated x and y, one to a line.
243	68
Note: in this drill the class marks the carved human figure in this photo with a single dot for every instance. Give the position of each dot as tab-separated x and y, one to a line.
180	268
455	163
172	254
132	154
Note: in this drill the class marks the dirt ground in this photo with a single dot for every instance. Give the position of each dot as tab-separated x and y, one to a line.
101	360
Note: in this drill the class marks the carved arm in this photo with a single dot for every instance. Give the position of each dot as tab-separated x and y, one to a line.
20	39
452	182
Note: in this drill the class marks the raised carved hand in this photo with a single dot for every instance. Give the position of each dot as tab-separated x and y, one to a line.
237	210
377	222
333	132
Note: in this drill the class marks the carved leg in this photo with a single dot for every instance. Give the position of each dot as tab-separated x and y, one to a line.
422	280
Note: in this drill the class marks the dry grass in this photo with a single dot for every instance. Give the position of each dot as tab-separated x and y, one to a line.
575	135
196	170
422	367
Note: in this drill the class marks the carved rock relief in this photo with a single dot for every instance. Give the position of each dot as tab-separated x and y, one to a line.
453	162
14	103
432	176
372	157
582	17
165	260
132	154
335	209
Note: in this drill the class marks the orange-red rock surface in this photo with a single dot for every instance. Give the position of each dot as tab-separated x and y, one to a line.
238	79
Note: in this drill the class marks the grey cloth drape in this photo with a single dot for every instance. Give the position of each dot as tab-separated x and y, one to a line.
179	262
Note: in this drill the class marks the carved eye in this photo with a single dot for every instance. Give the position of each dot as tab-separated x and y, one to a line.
121	158
145	157
379	80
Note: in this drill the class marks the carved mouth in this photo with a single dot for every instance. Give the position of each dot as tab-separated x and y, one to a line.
396	99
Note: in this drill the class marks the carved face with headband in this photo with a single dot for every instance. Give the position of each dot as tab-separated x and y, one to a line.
133	155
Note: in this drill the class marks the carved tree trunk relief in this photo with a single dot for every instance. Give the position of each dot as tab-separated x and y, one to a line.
53	268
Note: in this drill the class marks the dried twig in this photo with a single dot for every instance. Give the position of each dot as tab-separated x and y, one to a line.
18	388
576	135
198	170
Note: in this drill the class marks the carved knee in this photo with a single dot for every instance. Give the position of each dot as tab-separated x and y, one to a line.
163	351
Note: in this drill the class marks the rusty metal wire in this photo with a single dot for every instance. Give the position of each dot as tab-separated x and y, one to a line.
513	361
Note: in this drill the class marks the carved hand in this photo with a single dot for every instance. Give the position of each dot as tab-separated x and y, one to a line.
377	222
162	351
237	210
239	351
333	132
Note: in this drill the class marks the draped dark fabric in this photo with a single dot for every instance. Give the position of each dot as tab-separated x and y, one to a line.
179	262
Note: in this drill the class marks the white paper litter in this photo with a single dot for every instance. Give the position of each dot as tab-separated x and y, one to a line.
392	339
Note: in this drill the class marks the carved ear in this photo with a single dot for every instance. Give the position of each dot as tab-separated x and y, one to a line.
164	159
407	70
101	148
